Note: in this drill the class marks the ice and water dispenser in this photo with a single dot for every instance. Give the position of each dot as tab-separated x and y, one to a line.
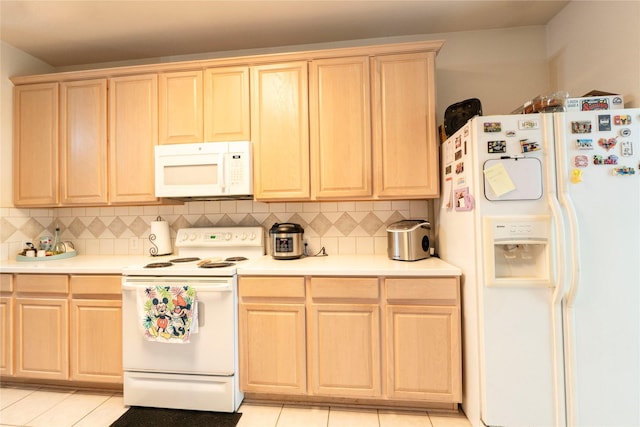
518	251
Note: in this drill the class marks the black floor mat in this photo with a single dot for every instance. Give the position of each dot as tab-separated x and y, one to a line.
153	417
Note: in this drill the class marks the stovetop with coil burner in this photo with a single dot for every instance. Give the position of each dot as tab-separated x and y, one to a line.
207	251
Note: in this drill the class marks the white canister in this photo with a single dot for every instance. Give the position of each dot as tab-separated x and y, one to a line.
160	238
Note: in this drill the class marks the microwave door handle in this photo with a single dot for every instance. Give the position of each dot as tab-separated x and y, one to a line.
222	173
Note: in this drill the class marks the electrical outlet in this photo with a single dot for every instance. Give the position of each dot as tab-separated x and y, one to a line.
133	244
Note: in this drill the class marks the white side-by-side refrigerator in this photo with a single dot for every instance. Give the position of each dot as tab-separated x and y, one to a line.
542	214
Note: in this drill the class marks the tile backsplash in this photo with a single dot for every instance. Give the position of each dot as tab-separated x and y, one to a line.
339	227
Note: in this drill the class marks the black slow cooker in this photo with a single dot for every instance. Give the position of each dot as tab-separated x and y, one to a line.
286	240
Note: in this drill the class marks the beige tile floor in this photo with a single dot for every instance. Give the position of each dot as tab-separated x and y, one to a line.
47	407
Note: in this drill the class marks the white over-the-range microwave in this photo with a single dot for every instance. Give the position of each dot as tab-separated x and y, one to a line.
204	171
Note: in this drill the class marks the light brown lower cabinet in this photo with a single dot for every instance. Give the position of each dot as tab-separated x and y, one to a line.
377	339
272	335
344	337
423	339
6	324
62	328
42	326
96	329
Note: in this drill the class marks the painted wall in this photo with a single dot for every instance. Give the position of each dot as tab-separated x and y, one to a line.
502	68
595	45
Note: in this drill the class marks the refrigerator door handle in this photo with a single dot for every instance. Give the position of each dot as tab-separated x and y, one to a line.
571	232
572	253
561	279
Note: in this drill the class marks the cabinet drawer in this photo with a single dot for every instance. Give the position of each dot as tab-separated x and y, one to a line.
42	283
96	285
6	283
344	288
423	290
271	287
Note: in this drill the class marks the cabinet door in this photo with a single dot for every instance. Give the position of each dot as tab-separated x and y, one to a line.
83	134
181	107
42	338
344	346
340	128
280	131
96	340
405	144
226	104
423	350
35	145
272	348
133	130
6	340
6	324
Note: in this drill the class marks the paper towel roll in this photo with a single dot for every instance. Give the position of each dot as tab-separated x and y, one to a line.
160	238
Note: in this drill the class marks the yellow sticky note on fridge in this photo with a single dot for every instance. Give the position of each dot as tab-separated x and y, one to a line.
499	179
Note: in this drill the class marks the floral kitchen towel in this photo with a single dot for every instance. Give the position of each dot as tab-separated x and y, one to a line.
169	313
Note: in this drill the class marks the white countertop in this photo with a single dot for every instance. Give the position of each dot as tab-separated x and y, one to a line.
81	264
332	265
348	265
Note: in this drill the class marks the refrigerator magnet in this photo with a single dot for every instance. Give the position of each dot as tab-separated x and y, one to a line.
626	148
581	127
581	161
447	192
464	201
624	171
604	123
491	127
528	124
496	147
622	120
459	167
576	176
626	132
584	144
607	143
529	146
609	160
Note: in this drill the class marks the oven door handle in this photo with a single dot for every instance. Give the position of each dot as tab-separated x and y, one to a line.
220	287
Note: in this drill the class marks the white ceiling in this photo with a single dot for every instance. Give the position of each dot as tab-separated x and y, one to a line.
71	33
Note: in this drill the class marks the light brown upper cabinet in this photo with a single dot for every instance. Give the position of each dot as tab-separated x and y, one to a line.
226	104
181	107
404	128
83	142
354	123
210	105
340	128
133	134
35	144
280	131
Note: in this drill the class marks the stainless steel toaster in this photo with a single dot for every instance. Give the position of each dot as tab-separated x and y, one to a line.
409	240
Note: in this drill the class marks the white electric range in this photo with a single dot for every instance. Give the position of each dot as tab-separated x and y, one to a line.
180	322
